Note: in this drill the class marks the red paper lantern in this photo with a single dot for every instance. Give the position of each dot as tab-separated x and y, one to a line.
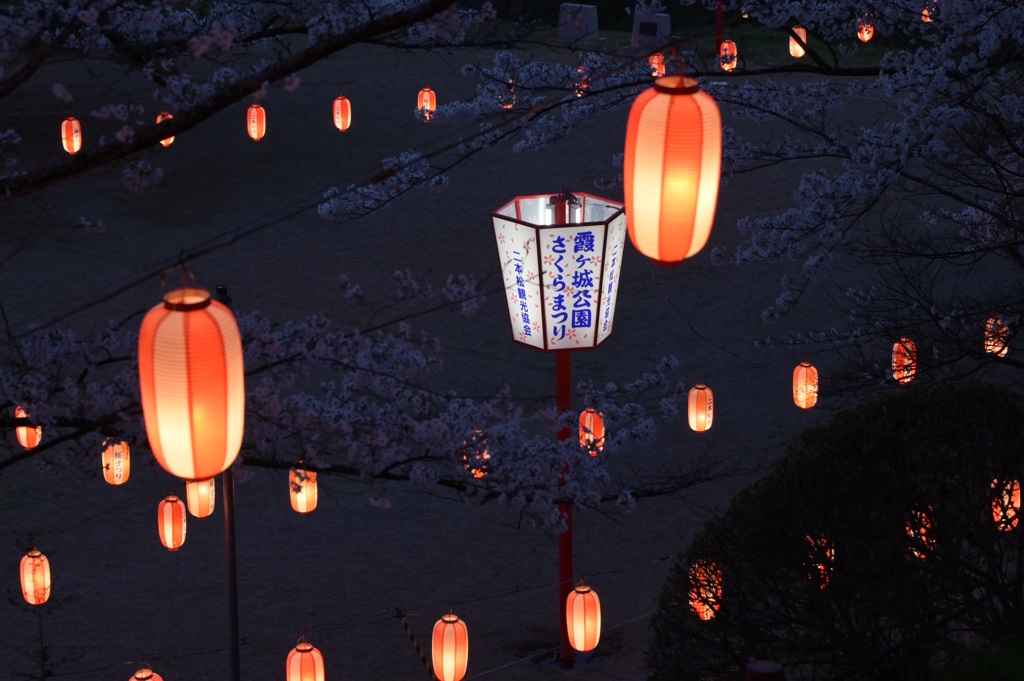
727	55
171	522
146	674
507	99
201	496
71	135
673	161
583	618
475	456
28	436
820	559
256	122
427	103
117	463
657	64
591	431
161	117
929	12
997	337
795	48
705	589
35	577
342	113
805	385
450	648
919	528
865	32
1006	504
904	360
192	383
305	663
700	407
303	489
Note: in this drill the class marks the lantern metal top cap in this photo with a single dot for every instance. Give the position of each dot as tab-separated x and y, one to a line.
450	618
676	85
187	299
582	589
304	646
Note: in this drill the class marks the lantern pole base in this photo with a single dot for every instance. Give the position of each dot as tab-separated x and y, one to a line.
563	396
228	482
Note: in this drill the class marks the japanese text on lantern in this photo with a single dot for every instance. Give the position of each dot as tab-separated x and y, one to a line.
522	281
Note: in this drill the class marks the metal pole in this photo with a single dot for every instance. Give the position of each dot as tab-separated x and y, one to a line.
228	482
563	397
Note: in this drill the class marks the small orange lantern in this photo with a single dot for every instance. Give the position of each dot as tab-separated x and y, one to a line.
657	63
305	663
161	117
117	463
581	82
997	336
865	32
672	168
146	674
700	407
591	431
35	577
201	496
507	99
427	103
705	589
904	360
475	457
820	559
795	48
28	436
1006	504
727	55
805	385
342	113
450	648
928	13
583	618
303	489
919	528
192	383
71	135
256	122
171	522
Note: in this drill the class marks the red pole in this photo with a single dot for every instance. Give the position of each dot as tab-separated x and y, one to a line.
567	656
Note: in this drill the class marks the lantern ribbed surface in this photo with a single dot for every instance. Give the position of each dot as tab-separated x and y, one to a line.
71	135
795	48
193	384
427	100
727	55
28	436
305	663
591	431
117	463
201	497
161	117
700	408
450	648
303	490
342	113
256	122
805	385
904	360
171	522
672	168
35	577
583	618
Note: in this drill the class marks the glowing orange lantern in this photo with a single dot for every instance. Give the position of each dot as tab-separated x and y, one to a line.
865	32
256	122
342	113
117	463
805	385
161	117
146	674
303	489
820	559
35	577
305	663
583	618
673	161
201	496
927	14
427	103
591	431
727	55
28	436
193	384
700	407
71	135
450	648
581	82
997	336
475	457
919	528
171	522
507	99
657	63
1006	504
705	589
904	360
796	49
